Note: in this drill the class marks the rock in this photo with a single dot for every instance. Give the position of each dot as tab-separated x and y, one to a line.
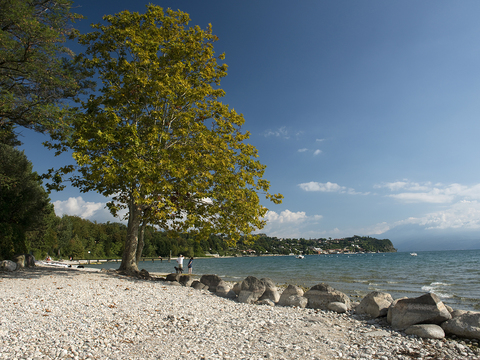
197	285
289	291
457	313
271	291
24	260
252	289
466	325
8	265
185	280
224	290
338	307
19	260
144	274
375	304
425	309
223	287
173	277
319	296
428	331
237	288
354	304
294	300
29	260
211	281
266	302
389	312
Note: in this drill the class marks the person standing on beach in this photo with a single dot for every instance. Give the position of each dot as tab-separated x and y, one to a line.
180	263
190	265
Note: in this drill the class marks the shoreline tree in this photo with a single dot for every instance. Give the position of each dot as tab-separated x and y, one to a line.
24	203
156	138
38	78
37	72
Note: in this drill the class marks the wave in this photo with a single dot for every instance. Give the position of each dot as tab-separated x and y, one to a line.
440	284
436	288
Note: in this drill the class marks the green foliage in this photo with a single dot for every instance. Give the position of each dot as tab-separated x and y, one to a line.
356	243
156	138
72	236
35	76
23	201
272	245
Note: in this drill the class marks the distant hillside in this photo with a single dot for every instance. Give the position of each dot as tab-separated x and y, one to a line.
272	245
359	243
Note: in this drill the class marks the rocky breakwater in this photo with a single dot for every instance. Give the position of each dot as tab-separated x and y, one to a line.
425	319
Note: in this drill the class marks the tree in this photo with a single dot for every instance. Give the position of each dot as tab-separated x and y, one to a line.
156	138
23	201
35	74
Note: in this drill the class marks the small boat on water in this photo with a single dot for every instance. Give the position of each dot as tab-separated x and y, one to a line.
413	254
300	257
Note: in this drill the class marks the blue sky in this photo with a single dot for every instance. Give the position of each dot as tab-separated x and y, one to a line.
365	113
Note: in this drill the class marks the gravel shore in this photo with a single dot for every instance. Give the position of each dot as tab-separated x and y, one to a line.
61	313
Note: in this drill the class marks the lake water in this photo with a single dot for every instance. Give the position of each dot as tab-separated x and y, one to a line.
453	275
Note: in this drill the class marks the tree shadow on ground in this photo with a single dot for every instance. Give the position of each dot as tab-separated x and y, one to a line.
38	272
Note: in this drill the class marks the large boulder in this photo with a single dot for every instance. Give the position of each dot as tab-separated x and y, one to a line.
466	325
224	289
211	281
292	296
295	300
185	280
197	285
252	289
319	296
427	331
8	265
375	304
24	260
173	277
425	309
338	307
389	312
144	274
271	291
457	313
29	260
237	288
266	302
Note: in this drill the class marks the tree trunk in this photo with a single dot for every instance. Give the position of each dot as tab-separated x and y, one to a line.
141	241
129	258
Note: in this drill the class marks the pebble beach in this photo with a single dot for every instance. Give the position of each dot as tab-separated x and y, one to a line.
66	313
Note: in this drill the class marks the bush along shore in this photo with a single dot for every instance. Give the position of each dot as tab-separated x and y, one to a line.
51	312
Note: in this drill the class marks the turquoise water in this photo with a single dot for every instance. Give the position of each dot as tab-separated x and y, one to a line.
453	275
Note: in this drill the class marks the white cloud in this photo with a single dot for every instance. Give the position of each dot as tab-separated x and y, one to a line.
286	216
431	193
323	187
329	187
463	214
302	150
77	206
94	211
281	132
430	197
407	185
319	140
317	152
289	223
